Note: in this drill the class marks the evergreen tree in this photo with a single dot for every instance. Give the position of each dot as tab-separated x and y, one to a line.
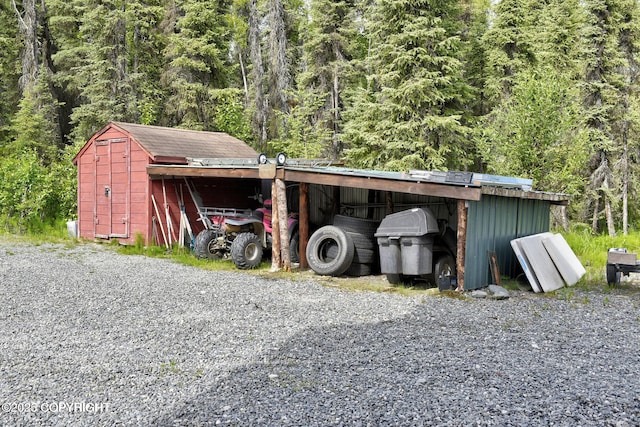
198	62
409	115
611	84
558	37
35	123
509	45
538	132
326	60
9	75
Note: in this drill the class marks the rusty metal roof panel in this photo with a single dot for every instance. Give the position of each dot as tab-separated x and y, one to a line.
169	143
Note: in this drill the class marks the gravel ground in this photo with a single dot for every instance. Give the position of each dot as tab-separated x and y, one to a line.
91	337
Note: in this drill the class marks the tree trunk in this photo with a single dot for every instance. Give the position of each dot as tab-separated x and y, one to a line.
244	78
279	69
607	208
625	191
283	218
28	24
276	261
596	212
257	76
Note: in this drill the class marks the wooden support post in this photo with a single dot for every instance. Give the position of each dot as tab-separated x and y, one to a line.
388	202
283	218
303	224
462	243
276	261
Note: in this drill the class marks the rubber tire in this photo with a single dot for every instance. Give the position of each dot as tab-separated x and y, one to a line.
613	276
202	242
367	227
322	243
445	265
362	241
246	251
363	256
394	279
294	247
450	240
358	270
360	256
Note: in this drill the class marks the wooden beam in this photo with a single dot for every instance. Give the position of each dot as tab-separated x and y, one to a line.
303	224
553	198
403	186
207	172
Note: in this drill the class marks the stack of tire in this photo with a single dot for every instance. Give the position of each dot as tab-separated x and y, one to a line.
346	247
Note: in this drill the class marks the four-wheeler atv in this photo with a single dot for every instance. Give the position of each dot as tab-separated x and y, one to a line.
242	235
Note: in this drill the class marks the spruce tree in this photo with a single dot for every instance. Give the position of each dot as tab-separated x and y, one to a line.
198	62
9	75
327	53
509	46
409	115
611	86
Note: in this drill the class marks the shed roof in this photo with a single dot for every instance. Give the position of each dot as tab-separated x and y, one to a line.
415	182
170	145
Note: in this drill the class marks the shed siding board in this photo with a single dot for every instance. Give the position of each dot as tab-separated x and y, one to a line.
102	206
493	222
139	214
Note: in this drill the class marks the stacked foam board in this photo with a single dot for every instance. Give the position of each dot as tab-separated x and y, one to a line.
547	261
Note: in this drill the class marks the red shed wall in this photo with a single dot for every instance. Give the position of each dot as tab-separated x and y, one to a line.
113	188
140	212
220	193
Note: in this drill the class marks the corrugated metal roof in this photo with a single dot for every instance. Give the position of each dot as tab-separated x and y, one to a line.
164	142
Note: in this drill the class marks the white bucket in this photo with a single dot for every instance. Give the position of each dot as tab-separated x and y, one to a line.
72	229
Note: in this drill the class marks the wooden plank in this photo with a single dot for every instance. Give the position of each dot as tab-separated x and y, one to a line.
267	171
618	257
203	172
554	198
399	186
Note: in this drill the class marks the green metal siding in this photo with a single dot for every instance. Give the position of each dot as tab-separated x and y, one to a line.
491	225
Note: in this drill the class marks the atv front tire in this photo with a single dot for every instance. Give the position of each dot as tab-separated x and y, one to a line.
246	251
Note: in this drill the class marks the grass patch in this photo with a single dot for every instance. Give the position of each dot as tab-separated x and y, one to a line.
49	233
592	250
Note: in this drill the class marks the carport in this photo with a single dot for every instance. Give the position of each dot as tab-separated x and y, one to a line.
486	211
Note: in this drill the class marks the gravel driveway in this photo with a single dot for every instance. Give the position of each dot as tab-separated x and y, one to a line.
91	337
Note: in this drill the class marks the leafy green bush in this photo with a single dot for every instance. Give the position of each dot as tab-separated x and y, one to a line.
32	196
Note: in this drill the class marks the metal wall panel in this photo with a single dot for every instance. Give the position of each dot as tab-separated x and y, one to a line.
491	225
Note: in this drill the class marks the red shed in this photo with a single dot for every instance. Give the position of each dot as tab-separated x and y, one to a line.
116	194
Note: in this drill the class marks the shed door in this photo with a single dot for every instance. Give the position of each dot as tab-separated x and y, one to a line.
113	180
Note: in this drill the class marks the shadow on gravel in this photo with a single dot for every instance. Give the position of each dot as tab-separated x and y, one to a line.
420	370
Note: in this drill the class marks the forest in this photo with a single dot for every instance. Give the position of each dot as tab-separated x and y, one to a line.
543	89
